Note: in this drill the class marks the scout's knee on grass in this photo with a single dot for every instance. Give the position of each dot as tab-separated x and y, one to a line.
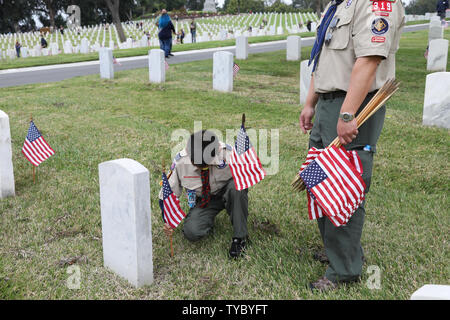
195	229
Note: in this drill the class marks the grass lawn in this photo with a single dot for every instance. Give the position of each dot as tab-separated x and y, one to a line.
88	121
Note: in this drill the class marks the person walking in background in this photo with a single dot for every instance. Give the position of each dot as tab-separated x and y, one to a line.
441	7
18	46
193	28
166	29
181	36
43	42
308	25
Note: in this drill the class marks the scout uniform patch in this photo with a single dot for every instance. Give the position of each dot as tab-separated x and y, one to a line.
380	26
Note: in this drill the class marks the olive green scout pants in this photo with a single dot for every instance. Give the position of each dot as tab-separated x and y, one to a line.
199	222
343	244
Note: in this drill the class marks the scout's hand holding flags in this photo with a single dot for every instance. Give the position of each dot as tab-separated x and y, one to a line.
332	176
35	148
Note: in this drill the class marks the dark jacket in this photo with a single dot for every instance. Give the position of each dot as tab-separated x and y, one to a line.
442	5
166	32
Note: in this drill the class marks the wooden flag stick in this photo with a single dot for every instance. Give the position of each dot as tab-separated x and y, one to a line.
243	119
34	174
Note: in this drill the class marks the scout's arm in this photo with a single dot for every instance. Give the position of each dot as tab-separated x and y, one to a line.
309	108
361	80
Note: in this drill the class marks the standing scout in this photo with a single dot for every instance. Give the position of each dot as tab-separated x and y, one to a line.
353	56
203	170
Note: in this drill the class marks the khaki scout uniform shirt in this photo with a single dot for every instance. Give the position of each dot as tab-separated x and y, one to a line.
186	175
365	28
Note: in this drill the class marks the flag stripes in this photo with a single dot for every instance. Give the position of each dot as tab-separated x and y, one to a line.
172	213
334	184
35	148
245	166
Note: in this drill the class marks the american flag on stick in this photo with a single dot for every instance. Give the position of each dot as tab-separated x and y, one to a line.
236	69
166	65
245	166
335	187
35	148
172	212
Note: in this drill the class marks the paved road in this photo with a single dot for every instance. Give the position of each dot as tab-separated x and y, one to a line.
15	77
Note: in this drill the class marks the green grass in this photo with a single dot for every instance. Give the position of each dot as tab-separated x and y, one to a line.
88	121
122	53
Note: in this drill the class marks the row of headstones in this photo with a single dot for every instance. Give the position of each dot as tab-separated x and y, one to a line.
223	62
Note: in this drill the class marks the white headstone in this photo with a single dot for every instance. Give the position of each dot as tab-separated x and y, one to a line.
106	63
223	71
156	66
54	48
126	220
84	46
293	48
111	44
435	31
432	292
241	47
437	55
436	106
305	80
280	30
67	48
24	52
6	164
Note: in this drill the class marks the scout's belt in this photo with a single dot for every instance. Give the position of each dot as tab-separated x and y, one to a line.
340	94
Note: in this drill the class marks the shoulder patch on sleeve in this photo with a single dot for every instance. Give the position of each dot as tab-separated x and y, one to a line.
178	156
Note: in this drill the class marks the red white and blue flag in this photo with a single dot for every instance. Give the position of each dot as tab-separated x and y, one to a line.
245	166
333	180
172	212
236	69
35	148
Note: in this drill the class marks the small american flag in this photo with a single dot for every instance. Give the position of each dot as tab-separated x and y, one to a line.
245	166
236	69
166	65
35	148
172	214
335	187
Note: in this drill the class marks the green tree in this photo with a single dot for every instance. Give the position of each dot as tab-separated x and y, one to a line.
421	6
17	15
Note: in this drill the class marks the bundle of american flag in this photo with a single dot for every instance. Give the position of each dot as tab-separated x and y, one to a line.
332	176
245	166
334	184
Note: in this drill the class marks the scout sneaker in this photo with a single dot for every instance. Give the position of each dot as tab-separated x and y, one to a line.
237	247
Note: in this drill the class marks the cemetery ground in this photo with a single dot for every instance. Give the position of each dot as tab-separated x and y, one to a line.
56	221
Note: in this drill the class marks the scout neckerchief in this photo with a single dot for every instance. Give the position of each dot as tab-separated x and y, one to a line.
206	188
321	32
